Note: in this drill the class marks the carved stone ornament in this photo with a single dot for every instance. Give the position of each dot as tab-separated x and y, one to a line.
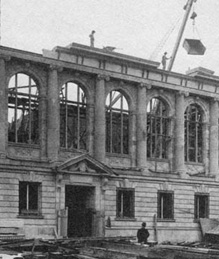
82	167
103	77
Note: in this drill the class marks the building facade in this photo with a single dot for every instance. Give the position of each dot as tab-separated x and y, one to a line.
104	141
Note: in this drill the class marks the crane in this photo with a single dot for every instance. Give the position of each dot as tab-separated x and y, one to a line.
187	8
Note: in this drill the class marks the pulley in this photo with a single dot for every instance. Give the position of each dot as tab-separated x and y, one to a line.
193	16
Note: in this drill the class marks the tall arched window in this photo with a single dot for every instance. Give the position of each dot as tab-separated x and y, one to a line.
117	123
157	129
193	133
72	116
23	110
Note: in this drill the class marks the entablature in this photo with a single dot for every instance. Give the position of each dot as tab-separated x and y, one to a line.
118	66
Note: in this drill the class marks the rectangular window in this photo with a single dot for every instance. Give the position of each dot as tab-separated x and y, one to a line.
29	198
165	205
125	203
201	206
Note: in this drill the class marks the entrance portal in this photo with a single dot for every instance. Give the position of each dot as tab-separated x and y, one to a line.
80	203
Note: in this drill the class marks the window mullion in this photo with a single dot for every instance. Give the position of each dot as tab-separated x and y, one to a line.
187	140
78	118
151	135
66	115
15	111
161	207
160	137
27	205
121	115
29	115
111	123
122	203
196	141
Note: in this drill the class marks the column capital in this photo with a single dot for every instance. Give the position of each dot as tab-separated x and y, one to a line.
215	99
183	93
103	77
5	57
147	86
121	83
55	67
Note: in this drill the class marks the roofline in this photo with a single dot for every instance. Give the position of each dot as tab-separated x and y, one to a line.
104	54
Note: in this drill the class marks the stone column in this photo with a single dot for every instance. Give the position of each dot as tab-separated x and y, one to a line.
141	137
53	120
3	101
179	135
213	134
132	134
90	128
100	119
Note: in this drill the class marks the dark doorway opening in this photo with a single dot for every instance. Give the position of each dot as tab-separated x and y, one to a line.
80	203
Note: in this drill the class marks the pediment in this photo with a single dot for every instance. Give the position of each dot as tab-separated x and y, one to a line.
85	164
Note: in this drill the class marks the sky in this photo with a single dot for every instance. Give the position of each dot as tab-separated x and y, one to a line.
141	28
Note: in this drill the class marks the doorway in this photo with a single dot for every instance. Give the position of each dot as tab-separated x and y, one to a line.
80	203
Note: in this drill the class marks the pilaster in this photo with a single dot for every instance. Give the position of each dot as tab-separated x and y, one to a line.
141	135
100	120
213	135
53	114
179	134
3	102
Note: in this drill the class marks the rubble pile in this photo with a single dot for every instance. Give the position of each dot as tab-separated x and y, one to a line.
105	248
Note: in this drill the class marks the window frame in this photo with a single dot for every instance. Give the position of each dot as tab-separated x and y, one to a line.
26	123
120	206
197	197
193	133
78	119
160	206
27	199
158	128
117	144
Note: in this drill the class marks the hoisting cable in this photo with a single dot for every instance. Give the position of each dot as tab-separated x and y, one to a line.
163	41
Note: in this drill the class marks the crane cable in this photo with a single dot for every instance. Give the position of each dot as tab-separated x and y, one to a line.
163	41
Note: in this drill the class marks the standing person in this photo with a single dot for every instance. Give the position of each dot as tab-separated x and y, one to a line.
143	234
164	60
92	38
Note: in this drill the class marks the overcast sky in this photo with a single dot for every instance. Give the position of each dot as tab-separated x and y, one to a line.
135	27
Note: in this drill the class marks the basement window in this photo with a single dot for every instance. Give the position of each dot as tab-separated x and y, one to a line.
193	134
73	115
165	205
125	203
117	123
23	110
158	128
29	198
201	205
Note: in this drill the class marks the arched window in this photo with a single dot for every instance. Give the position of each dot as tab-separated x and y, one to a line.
193	133
157	129
117	123
23	110
72	116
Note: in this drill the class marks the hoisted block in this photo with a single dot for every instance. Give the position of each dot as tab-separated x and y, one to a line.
194	47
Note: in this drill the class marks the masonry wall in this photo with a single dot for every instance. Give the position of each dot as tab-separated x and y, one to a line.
146	176
183	227
9	204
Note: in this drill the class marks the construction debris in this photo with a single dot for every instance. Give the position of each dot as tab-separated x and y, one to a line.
110	248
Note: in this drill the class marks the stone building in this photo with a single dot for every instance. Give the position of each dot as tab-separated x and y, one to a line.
106	141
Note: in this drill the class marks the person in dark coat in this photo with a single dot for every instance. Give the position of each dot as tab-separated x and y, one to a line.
143	234
92	38
164	60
